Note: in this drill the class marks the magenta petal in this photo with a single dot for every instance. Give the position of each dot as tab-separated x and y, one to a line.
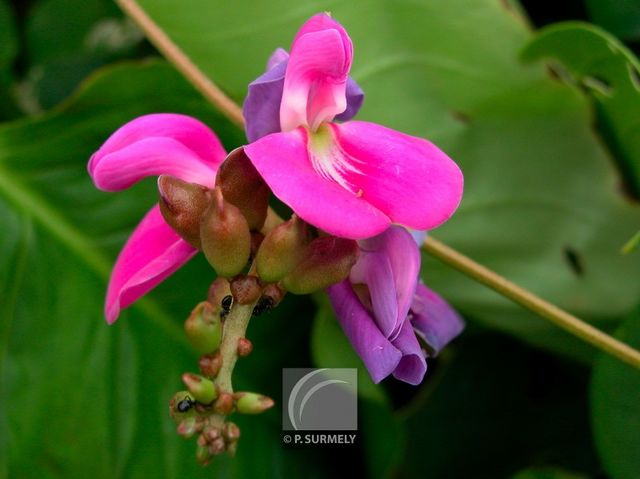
150	157
434	320
380	357
157	144
407	178
316	76
152	253
283	161
413	365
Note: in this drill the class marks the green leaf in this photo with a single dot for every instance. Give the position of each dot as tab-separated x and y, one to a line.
330	348
610	73
540	189
8	52
81	399
620	17
615	407
65	41
632	244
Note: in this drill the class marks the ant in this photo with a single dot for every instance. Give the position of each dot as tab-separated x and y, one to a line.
186	404
227	301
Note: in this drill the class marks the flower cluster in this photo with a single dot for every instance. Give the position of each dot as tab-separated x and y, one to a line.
350	179
361	194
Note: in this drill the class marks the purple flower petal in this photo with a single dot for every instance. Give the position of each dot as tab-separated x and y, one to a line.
355	99
380	357
261	107
413	365
434	320
389	265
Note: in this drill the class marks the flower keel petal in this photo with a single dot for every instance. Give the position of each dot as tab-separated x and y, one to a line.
152	253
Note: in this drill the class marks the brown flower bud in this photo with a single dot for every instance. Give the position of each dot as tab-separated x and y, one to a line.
182	205
246	289
282	249
328	260
243	186
225	237
244	347
210	364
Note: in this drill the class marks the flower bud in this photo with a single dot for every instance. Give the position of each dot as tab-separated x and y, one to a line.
202	455
231	432
224	404
204	327
246	289
282	249
328	260
218	290
202	389
253	403
225	237
182	205
242	186
210	364
188	427
244	347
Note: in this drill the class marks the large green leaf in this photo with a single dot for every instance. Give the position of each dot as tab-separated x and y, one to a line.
65	41
8	51
615	408
80	399
611	74
541	204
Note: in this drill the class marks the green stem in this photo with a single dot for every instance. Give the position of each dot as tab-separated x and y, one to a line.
542	308
235	327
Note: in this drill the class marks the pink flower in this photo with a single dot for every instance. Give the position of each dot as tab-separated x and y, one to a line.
383	309
152	145
356	178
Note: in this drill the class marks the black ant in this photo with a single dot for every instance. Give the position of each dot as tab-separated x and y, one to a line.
227	301
186	404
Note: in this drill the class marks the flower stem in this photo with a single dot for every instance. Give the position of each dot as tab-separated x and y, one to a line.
542	308
182	62
235	328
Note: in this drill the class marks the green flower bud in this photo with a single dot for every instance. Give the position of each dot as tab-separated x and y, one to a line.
231	432
282	249
182	205
202	455
225	236
328	260
253	403
243	187
202	389
204	327
188	427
